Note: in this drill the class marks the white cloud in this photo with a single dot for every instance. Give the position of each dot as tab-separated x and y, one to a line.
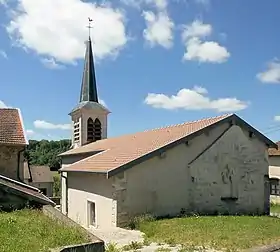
3	54
56	28
40	124
208	51
272	74
199	50
2	104
277	118
159	30
30	132
196	29
194	99
51	63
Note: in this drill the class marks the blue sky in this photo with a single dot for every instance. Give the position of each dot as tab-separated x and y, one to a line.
158	62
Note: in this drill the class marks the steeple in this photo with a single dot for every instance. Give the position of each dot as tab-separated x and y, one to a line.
89	117
88	89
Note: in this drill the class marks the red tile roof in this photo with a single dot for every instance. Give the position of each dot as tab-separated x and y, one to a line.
11	127
119	151
274	151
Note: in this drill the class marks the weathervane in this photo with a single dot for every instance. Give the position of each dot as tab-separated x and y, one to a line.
89	25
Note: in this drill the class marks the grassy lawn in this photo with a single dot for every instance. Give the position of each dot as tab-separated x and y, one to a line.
275	208
30	230
229	233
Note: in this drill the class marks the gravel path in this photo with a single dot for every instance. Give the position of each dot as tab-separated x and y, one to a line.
122	237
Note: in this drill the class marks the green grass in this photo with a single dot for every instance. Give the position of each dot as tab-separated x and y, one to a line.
30	230
229	233
274	208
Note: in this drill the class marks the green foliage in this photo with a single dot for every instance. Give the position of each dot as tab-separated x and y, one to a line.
45	152
56	185
112	247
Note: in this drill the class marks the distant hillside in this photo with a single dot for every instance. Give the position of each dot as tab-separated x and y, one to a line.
45	152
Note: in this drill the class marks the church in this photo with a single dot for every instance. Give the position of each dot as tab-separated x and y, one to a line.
212	166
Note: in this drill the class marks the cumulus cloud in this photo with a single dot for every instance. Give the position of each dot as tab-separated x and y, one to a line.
56	28
198	48
2	104
271	74
194	99
41	124
159	29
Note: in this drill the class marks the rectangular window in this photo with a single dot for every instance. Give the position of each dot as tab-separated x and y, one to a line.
91	214
274	187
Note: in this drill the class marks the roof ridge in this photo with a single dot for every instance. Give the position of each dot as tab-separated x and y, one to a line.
188	122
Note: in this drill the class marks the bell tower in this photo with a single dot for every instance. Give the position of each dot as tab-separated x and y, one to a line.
89	117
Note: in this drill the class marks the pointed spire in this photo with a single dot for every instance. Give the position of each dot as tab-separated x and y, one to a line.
88	89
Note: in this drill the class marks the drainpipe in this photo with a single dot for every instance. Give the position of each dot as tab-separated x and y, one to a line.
18	165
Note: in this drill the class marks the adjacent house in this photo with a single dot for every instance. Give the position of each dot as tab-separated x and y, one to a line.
274	173
214	165
14	193
13	142
39	176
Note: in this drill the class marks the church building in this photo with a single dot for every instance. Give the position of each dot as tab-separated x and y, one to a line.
214	165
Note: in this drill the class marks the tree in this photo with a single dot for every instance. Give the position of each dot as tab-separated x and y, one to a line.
45	152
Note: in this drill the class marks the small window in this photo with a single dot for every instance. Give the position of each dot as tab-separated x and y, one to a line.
91	214
274	187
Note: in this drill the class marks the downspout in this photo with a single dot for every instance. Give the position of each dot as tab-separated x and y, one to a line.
18	165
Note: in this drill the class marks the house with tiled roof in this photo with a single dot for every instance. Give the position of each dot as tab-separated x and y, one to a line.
14	193
214	165
274	172
39	176
13	142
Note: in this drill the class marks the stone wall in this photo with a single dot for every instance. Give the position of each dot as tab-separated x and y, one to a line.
9	161
229	178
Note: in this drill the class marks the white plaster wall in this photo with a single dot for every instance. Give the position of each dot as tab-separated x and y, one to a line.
274	166
163	186
94	187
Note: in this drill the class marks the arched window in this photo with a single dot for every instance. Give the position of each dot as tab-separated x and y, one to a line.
90	130
97	129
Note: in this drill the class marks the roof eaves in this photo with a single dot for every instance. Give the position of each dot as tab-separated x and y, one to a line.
82	160
22	125
164	148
